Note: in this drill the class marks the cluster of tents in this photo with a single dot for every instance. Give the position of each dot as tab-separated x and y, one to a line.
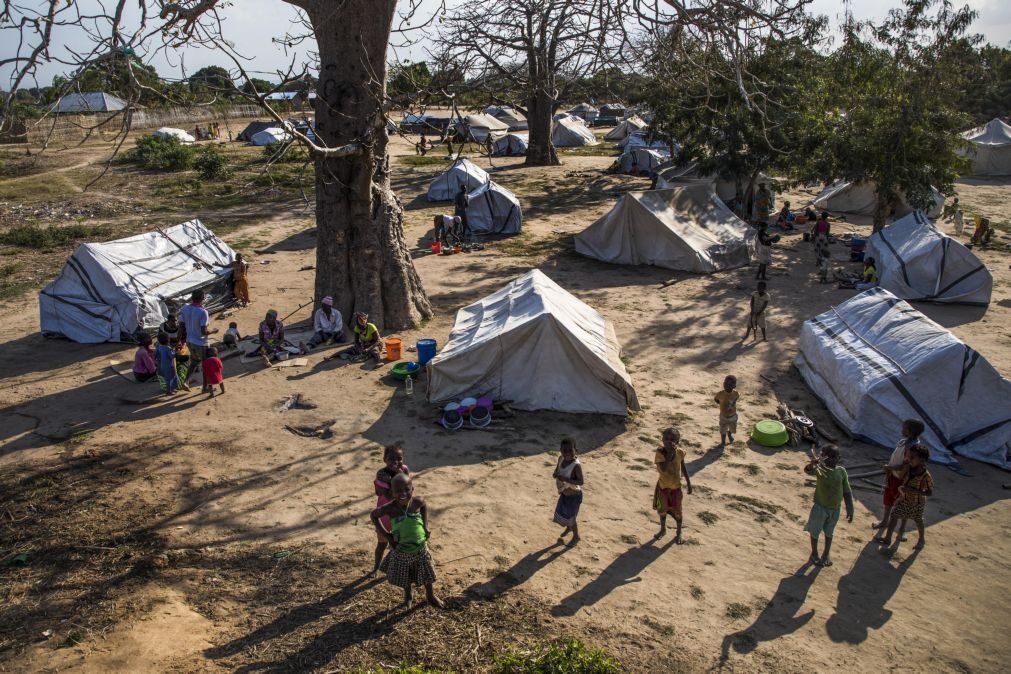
493	209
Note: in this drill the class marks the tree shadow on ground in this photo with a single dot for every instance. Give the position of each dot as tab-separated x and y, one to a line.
297	242
35	354
623	570
779	618
863	593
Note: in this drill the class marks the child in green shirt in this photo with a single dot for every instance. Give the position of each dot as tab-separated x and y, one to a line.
832	486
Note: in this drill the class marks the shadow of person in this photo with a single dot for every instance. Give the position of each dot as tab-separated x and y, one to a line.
518	573
623	570
713	454
863	593
291	620
779	617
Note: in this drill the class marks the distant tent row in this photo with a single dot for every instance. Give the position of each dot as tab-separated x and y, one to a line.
511	145
874	361
916	261
584	111
493	209
536	345
108	291
568	132
687	228
860	198
991	149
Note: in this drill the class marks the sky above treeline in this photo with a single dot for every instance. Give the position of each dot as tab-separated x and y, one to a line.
252	25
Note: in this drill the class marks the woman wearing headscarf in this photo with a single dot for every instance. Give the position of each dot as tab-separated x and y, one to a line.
368	343
327	323
271	335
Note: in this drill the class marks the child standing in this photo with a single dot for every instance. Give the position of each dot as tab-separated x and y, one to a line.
727	400
409	562
896	466
393	457
569	482
165	361
832	485
144	367
760	300
917	486
213	370
667	495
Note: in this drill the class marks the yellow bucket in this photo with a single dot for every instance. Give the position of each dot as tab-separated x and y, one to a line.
393	348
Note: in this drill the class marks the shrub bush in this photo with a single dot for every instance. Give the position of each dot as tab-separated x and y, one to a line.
291	150
33	236
211	164
566	657
161	154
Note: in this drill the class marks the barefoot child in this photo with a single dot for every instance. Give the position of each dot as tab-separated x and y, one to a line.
393	457
667	495
232	337
727	400
895	468
832	485
569	482
409	562
917	486
759	309
165	360
213	370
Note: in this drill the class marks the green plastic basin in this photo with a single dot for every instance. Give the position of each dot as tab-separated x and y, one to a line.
770	433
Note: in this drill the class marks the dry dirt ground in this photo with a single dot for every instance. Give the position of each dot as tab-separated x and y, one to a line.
201	535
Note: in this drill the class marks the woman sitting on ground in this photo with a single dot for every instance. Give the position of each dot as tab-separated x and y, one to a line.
869	278
368	343
143	362
786	218
271	336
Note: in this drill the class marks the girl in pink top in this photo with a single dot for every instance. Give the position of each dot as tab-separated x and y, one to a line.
143	362
393	456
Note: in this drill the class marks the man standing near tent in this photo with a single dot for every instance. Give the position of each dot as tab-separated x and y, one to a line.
460	205
194	319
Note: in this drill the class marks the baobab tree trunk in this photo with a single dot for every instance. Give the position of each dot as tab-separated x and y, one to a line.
362	257
882	207
540	150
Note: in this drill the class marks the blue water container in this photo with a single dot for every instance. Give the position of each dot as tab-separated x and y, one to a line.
426	351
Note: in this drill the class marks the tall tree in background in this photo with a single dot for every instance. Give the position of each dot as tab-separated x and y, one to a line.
541	48
211	81
890	97
362	258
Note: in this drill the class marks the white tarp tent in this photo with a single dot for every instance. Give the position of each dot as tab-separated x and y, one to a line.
270	136
564	115
860	198
569	133
494	210
627	127
108	291
991	149
584	111
917	262
687	228
507	115
536	345
480	126
462	172
638	139
874	361
688	174
178	134
511	145
643	160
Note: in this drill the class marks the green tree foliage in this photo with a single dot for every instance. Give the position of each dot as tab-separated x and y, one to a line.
255	83
211	164
211	81
122	75
161	154
406	80
988	88
889	105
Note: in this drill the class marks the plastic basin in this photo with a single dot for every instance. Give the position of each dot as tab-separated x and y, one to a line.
770	433
404	369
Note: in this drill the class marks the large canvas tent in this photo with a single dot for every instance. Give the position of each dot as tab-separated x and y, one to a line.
511	145
626	128
584	111
638	139
507	115
178	134
642	160
874	361
687	228
462	172
88	102
677	175
860	198
254	128
270	136
480	127
536	345
108	291
991	149
916	261
494	210
567	132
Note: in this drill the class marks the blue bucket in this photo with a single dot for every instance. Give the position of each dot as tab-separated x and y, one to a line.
426	351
